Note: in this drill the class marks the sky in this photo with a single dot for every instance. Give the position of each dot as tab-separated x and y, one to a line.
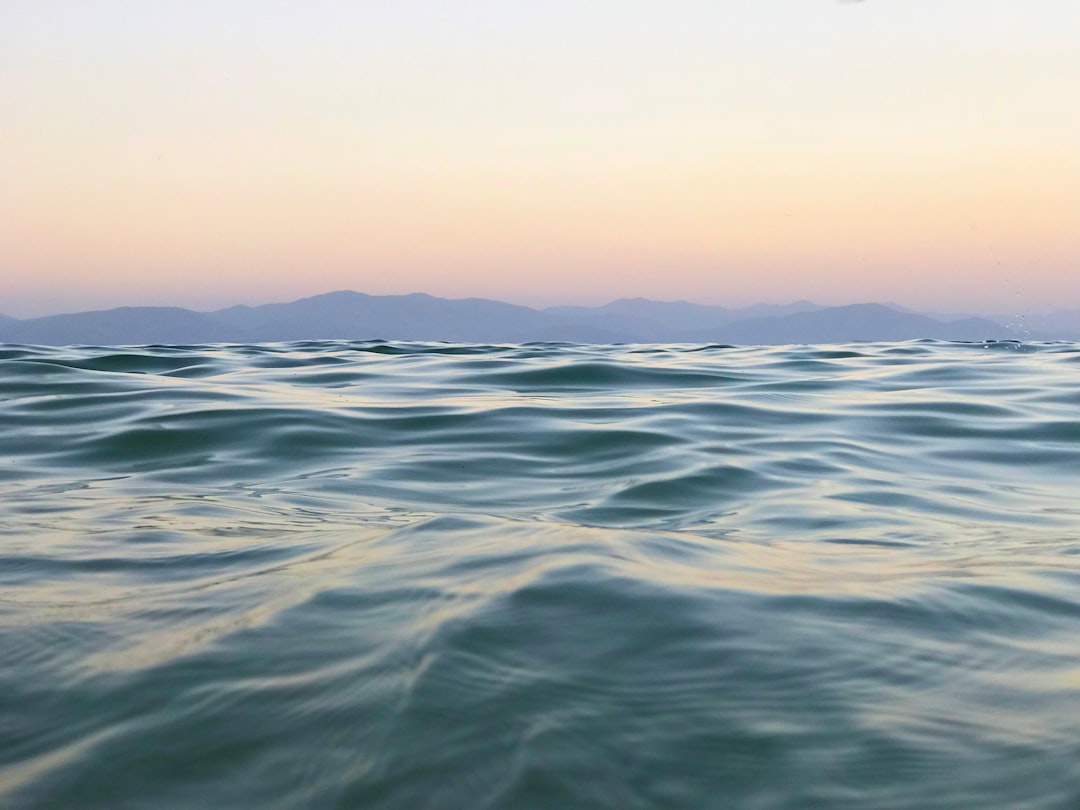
924	152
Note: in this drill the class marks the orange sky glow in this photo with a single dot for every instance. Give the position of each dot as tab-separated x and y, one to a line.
892	151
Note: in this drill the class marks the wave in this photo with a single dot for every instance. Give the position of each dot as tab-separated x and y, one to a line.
548	575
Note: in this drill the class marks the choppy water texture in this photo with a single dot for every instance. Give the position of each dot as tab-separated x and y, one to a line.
547	576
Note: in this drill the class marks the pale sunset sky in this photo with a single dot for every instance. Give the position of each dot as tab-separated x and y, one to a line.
200	154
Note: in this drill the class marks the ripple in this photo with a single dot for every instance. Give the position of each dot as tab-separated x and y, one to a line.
408	575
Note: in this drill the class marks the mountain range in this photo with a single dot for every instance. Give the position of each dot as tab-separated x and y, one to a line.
357	316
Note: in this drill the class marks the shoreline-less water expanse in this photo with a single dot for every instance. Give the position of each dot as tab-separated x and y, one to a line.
405	575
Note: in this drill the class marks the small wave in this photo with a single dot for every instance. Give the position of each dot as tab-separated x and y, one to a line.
406	575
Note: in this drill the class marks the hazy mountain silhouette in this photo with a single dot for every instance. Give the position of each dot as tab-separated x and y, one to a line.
641	319
661	321
124	325
1060	322
6	318
353	315
349	315
850	323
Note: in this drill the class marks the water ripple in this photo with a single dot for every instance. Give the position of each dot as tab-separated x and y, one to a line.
420	575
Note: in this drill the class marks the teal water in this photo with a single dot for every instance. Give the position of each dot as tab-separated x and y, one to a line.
547	576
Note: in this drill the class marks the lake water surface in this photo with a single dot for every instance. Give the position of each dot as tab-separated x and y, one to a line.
403	575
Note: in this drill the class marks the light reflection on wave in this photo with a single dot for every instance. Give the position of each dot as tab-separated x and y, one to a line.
430	575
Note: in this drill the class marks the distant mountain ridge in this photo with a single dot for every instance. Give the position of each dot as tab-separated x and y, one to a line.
417	316
121	326
852	323
665	321
349	315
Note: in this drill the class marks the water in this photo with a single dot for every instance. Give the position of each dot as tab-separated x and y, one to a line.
546	576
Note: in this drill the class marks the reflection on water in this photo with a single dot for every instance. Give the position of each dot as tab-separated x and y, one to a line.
439	576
